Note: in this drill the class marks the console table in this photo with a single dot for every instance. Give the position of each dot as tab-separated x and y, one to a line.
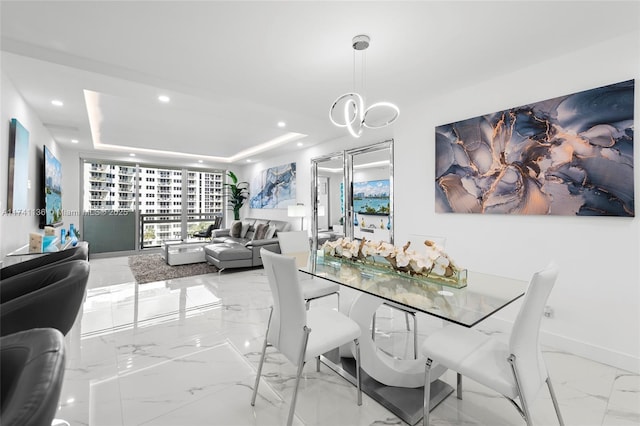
22	254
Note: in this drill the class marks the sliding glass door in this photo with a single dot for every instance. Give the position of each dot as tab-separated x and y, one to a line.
130	206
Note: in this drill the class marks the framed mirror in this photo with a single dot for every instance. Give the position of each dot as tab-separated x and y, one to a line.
352	194
327	195
370	191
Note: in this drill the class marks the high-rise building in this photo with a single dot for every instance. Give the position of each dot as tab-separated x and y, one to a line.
153	191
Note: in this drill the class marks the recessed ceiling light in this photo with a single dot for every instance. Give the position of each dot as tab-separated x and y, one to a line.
248	160
199	161
132	155
164	99
74	140
281	124
300	144
56	102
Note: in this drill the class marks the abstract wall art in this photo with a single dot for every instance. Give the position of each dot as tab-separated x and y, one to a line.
18	167
274	188
570	155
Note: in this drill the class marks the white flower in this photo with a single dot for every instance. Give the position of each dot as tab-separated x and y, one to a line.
369	249
433	253
402	259
354	248
442	261
386	250
438	270
420	263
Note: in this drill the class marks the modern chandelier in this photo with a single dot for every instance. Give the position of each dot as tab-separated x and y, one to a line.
349	109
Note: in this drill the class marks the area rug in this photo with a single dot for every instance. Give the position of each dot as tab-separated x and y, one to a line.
148	268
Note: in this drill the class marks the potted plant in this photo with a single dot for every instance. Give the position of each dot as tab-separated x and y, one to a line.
237	193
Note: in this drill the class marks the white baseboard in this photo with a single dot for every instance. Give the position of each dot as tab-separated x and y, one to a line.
596	353
599	354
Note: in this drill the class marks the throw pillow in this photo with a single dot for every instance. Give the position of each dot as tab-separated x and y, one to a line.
245	229
261	231
271	232
236	229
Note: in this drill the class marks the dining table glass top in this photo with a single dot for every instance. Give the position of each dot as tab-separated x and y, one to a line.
484	294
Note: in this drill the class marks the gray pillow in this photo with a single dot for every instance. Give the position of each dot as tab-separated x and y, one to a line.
245	229
271	231
236	229
261	231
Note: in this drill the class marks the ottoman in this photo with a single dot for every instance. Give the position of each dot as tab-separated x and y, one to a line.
228	255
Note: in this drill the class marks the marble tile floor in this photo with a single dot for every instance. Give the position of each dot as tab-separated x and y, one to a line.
185	352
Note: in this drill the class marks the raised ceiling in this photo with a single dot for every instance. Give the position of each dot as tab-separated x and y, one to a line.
234	69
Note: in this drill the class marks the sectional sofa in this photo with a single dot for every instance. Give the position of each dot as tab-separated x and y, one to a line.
239	245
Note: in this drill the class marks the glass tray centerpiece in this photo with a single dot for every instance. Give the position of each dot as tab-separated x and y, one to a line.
431	265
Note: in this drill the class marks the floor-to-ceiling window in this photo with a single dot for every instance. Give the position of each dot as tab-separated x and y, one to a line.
163	203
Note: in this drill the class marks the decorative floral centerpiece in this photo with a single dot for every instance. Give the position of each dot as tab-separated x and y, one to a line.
432	263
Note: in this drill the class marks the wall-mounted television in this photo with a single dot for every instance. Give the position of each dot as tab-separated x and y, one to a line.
52	190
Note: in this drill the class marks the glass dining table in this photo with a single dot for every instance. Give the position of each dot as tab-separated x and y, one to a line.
397	383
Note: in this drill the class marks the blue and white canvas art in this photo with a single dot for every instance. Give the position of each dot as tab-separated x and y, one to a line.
570	155
274	188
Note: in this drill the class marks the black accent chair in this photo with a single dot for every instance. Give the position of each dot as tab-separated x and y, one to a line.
209	231
49	296
32	366
80	252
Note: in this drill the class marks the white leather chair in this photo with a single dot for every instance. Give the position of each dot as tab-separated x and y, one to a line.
515	370
300	334
417	241
296	244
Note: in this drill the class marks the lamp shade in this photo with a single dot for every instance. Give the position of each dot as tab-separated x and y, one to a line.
297	210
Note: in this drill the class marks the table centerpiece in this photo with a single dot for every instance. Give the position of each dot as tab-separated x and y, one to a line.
431	265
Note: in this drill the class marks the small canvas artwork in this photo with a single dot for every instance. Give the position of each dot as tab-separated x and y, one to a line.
52	188
18	167
570	155
274	188
372	197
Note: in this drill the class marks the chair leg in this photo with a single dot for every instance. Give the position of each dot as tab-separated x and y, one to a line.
301	364
459	385
555	401
264	352
358	377
318	363
525	407
373	328
292	409
415	336
427	393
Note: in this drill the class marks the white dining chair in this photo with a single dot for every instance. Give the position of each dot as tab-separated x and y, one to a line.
296	244
515	369
417	242
300	334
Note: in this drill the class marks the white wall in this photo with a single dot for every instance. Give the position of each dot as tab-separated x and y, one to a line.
14	230
597	296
